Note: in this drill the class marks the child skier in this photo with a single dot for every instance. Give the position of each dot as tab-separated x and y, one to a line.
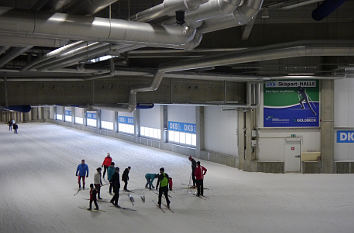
149	179
93	193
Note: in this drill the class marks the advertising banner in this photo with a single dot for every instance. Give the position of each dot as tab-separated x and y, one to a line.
345	136
182	127
291	103
126	120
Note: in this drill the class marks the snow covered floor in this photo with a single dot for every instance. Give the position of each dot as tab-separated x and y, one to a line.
38	182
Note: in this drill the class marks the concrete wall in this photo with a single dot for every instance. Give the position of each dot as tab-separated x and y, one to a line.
343	117
151	117
185	114
220	130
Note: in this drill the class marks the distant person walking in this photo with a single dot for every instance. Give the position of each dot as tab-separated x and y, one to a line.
199	172
194	165
116	186
163	182
149	179
10	125
93	198
106	163
15	126
125	178
110	172
98	182
82	171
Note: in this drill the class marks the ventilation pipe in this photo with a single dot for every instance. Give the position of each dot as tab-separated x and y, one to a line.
168	7
326	8
12	54
61	25
89	7
241	16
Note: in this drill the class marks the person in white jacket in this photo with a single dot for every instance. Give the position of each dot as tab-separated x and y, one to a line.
98	182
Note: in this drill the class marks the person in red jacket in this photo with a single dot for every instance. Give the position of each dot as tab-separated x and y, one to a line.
199	173
106	163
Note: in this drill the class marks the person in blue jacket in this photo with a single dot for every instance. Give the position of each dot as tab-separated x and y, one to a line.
149	179
82	171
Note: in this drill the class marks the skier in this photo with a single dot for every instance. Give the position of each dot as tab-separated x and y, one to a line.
15	126
98	182
163	182
110	173
10	125
82	171
194	164
116	185
106	163
149	179
125	178
93	193
199	176
304	97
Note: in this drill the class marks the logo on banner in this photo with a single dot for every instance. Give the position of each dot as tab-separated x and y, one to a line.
126	120
182	127
345	136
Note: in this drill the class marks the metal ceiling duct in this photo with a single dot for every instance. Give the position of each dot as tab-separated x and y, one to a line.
3	49
87	28
168	7
241	16
55	53
89	7
12	54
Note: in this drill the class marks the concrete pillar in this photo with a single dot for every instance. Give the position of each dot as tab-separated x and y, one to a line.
164	123
98	118
247	154
72	116
200	129
137	123
115	124
85	117
327	125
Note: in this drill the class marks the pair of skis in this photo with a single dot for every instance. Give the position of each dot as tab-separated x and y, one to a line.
163	209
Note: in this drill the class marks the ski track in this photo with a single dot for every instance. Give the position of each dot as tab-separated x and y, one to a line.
37	176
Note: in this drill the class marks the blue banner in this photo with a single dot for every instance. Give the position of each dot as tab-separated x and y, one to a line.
182	127
67	113
91	115
126	120
345	136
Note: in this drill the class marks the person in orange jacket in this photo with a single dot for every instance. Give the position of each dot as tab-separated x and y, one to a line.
106	163
199	173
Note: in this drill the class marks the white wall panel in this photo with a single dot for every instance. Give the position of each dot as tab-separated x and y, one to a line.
107	115
150	117
220	130
60	110
51	112
185	114
79	112
343	103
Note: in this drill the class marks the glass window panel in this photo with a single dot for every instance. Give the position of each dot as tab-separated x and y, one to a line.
188	138
182	138
107	125
79	120
59	117
194	139
68	118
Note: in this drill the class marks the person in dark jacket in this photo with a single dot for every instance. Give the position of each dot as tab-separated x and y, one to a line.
10	123
194	165
199	176
125	178
15	126
93	194
163	182
116	185
82	171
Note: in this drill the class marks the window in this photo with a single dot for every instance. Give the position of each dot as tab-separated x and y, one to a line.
79	120
182	133
59	117
150	132
126	124
107	125
91	119
68	117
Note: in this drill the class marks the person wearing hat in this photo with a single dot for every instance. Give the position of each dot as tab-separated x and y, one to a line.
194	165
116	186
106	163
98	182
163	182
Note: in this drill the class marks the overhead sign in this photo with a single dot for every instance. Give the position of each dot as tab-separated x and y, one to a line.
345	136
291	103
126	120
182	127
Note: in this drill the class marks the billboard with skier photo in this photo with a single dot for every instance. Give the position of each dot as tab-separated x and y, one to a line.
291	103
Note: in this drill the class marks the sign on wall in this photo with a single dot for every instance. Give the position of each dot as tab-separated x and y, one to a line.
126	120
67	112
182	127
90	115
345	136
291	103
